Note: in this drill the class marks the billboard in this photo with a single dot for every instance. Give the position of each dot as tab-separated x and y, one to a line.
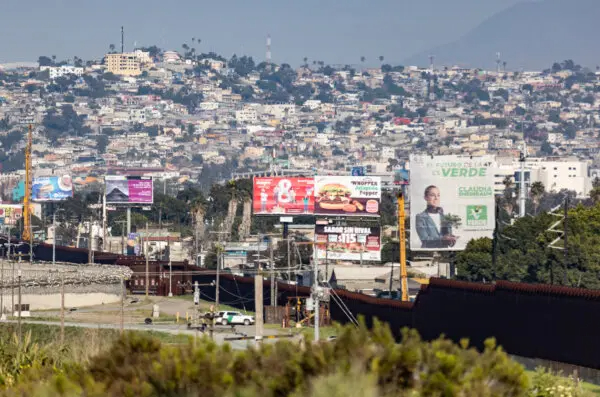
280	196
122	189
451	201
52	188
401	177
133	244
348	242
10	214
347	195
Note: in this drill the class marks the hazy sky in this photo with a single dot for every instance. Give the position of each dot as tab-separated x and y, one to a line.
335	31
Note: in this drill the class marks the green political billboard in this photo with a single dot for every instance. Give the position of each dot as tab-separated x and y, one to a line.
451	201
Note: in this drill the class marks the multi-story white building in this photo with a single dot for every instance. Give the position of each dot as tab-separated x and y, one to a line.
137	115
280	111
64	70
555	174
246	116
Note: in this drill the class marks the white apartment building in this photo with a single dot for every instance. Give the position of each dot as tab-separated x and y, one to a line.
137	115
246	116
64	70
171	57
280	111
209	105
554	173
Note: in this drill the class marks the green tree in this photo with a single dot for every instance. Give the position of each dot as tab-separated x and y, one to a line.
101	143
536	191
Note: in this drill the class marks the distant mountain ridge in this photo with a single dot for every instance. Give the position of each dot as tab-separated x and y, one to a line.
529	35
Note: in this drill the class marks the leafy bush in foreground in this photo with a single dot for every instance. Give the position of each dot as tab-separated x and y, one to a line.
359	363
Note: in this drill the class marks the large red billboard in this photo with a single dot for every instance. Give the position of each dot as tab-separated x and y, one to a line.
281	195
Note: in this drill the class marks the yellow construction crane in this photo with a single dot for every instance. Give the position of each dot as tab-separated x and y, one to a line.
26	200
402	243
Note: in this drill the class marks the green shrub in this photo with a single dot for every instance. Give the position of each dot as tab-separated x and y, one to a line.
546	384
359	363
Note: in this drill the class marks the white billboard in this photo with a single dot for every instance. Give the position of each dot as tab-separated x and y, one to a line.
451	201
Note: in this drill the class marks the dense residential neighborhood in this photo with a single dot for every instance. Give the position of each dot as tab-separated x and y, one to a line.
188	114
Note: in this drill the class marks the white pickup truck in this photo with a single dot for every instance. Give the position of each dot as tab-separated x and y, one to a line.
225	318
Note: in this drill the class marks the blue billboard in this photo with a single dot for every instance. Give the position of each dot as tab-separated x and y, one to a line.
52	188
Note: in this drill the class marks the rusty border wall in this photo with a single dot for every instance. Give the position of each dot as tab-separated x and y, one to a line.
535	321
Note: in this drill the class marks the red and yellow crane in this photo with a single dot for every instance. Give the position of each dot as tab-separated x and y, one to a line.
402	243
26	200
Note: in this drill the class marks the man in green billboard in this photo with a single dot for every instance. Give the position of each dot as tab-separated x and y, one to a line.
432	228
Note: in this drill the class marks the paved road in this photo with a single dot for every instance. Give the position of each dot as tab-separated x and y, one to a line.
219	335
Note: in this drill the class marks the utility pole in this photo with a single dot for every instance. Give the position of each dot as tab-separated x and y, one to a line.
170	277
19	318
258	299
272	267
12	290
391	279
147	264
289	260
566	235
62	308
90	246
123	291
2	316
316	290
54	238
218	281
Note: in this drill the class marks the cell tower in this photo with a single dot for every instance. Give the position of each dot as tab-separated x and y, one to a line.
431	59
122	40
268	54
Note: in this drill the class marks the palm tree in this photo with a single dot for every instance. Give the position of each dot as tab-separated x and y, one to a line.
381	58
112	48
305	62
362	59
508	199
537	191
504	66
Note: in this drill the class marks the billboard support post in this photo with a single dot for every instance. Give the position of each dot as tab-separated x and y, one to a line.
315	291
128	220
362	246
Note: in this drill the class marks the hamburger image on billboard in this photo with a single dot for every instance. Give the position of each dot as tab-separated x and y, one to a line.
347	195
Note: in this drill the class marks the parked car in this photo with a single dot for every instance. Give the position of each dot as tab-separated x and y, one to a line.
226	317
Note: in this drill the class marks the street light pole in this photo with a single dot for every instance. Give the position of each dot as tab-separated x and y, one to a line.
170	277
54	235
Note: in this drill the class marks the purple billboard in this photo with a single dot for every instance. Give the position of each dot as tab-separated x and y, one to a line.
122	189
